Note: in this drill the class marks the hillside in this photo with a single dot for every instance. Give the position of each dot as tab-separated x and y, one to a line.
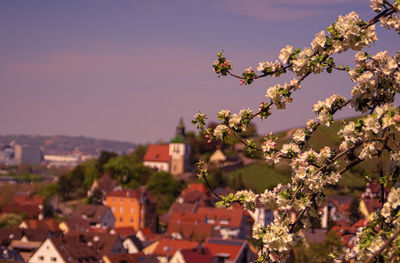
260	176
66	144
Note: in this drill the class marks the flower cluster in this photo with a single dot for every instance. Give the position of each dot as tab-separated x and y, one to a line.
391	208
326	109
271	68
248	76
276	237
365	130
377	80
280	94
199	120
222	65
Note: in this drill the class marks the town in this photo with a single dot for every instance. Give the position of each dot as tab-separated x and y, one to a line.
148	205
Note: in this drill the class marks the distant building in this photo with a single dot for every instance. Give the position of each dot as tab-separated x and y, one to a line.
232	251
166	248
210	222
195	255
104	184
172	157
78	247
95	215
133	208
28	154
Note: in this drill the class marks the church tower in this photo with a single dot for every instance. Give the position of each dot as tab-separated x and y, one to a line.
179	150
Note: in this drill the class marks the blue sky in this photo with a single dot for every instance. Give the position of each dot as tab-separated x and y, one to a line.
128	69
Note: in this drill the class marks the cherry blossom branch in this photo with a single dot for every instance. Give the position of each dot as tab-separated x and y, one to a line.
385	245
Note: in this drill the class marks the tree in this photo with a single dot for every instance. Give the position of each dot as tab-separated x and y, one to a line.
165	189
104	157
96	198
10	220
374	135
127	171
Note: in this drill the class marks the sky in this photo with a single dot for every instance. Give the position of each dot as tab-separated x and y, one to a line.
129	69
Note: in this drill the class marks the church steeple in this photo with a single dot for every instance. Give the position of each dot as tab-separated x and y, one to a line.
180	129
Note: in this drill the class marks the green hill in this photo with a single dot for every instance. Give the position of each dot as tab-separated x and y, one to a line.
259	176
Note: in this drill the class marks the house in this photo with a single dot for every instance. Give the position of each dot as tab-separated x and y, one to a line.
368	206
63	251
229	251
218	157
10	255
77	224
102	243
346	232
166	248
172	157
133	208
374	190
29	205
195	255
26	241
95	215
225	162
209	221
132	244
130	258
47	224
124	232
337	208
104	184
195	193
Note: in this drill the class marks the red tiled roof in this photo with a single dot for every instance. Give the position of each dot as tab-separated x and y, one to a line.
45	224
31	211
125	193
135	194
132	258
125	231
168	247
372	204
28	199
157	153
197	255
346	232
195	187
231	247
75	251
103	242
195	232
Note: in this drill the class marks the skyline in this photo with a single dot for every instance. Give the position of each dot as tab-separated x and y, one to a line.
128	70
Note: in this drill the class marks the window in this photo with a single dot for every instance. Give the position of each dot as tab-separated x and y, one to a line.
113	208
132	210
41	257
120	219
121	200
121	209
224	221
131	219
53	259
113	199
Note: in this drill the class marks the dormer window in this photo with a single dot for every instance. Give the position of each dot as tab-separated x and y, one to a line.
224	221
210	220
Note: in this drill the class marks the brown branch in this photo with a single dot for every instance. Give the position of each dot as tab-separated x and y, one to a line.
211	189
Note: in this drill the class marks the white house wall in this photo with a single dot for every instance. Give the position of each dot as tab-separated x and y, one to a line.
46	253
